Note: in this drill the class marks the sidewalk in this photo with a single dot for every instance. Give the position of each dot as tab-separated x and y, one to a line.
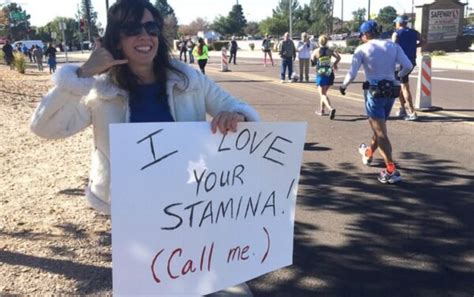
457	60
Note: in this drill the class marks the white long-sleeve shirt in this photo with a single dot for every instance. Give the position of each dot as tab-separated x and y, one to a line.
379	58
305	49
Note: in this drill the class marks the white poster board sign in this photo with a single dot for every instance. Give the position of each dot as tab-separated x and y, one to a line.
195	212
443	25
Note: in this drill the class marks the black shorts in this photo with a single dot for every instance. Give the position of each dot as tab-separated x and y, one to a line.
405	78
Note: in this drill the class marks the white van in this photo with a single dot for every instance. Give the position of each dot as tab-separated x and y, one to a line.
29	43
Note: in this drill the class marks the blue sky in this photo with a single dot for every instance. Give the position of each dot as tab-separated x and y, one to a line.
42	11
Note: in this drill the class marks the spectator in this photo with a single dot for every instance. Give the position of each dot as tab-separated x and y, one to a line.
8	54
190	47
233	50
131	78
287	52
51	54
27	52
305	48
201	54
38	54
182	50
267	49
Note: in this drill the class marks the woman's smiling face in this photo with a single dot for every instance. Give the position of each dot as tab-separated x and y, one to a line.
141	49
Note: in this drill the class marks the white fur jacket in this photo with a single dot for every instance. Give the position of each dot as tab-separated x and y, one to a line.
75	103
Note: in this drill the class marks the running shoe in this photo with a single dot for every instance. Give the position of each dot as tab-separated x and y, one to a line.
367	161
319	113
390	178
411	117
332	114
401	112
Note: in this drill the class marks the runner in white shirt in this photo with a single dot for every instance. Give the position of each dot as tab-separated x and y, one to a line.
379	58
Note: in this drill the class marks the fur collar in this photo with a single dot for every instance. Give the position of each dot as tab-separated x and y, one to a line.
105	89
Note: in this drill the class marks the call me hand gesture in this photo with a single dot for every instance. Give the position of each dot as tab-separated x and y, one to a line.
99	61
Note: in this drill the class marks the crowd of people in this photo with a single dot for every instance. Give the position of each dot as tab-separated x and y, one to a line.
34	53
379	58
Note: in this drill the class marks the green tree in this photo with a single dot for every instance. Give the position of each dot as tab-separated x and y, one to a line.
283	8
194	27
321	18
358	17
281	17
233	24
236	21
220	24
164	8
4	22
302	20
90	17
275	26
386	17
19	21
170	20
252	29
71	32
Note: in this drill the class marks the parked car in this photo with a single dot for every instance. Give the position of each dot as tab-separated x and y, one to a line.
29	43
465	40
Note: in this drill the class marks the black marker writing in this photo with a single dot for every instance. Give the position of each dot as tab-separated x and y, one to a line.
152	149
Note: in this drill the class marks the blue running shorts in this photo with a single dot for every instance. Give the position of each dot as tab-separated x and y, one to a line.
378	108
324	80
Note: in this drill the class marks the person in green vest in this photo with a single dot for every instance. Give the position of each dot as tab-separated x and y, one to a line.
201	54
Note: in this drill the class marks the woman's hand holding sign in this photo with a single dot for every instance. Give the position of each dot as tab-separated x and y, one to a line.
226	121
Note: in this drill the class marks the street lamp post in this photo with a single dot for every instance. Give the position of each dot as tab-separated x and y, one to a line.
291	21
368	11
342	11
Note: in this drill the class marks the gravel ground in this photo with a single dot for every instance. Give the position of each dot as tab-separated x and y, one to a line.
51	242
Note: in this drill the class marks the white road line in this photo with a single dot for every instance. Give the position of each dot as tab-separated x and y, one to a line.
415	75
448	79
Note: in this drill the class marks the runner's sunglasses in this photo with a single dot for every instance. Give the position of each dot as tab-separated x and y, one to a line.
135	29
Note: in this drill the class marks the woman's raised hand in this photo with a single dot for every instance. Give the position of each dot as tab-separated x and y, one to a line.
99	61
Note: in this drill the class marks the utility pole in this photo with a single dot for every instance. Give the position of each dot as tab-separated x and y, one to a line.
332	16
87	7
466	8
79	20
291	20
412	8
106	6
368	11
342	12
62	27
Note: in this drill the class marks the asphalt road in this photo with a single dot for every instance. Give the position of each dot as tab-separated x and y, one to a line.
353	235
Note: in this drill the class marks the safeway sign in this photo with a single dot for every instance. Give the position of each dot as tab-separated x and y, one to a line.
443	25
195	212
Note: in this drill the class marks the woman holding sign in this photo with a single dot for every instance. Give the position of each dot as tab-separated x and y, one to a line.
130	77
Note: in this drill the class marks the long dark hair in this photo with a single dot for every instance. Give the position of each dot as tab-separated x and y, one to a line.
125	11
201	45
